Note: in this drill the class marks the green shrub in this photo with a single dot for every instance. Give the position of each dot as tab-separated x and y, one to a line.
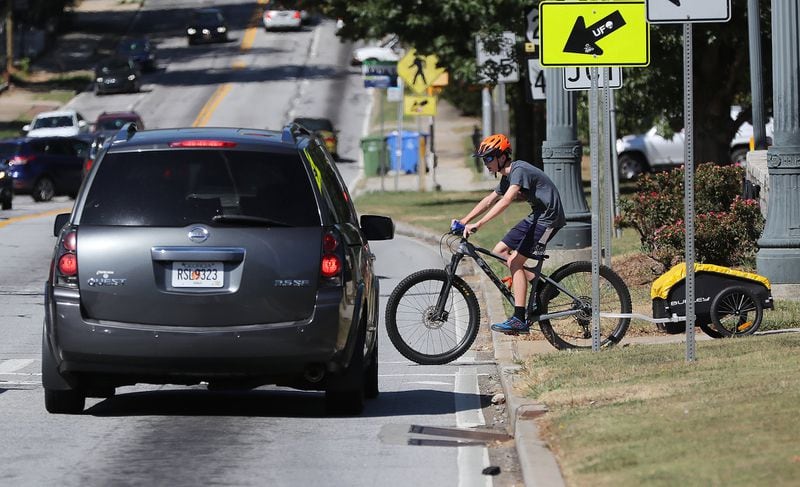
726	226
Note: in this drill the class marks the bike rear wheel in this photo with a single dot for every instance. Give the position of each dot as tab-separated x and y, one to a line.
575	331
417	333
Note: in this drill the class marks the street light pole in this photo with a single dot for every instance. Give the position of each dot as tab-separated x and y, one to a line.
561	156
778	257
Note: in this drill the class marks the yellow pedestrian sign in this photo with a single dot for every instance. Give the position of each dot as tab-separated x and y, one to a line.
419	105
595	33
418	71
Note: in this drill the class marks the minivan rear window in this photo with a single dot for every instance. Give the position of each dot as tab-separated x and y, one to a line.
182	187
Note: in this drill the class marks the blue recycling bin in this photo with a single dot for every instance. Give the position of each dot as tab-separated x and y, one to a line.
408	163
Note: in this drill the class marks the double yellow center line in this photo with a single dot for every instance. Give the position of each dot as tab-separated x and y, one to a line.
222	90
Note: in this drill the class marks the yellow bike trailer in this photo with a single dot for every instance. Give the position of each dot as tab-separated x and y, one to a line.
727	302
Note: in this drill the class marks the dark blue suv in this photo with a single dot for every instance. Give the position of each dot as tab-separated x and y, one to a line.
45	166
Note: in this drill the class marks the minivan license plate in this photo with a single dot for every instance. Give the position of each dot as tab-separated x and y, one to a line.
197	274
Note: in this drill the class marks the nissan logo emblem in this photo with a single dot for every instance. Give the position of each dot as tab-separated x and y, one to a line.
198	234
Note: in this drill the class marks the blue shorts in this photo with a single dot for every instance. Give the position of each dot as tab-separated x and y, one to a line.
525	235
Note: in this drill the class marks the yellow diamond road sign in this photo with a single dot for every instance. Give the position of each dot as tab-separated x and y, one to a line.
418	71
419	105
593	33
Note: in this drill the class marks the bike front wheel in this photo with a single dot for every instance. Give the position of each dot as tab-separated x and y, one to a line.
575	330
418	331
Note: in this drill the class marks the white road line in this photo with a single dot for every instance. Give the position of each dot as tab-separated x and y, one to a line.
471	459
4	384
14	364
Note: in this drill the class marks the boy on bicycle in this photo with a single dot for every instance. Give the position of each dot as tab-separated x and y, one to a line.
528	238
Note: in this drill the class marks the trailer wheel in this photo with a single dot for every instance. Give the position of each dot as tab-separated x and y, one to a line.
735	311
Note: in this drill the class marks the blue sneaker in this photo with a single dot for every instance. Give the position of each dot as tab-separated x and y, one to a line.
512	326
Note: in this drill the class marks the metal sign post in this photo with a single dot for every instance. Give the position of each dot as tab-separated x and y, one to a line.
608	184
398	149
673	11
595	169
688	114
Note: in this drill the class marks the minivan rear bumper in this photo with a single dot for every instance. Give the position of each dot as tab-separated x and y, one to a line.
167	354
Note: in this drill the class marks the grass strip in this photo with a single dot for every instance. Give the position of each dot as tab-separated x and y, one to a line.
642	415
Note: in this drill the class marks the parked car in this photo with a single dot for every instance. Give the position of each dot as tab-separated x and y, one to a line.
322	128
139	50
278	16
207	25
227	256
117	75
59	123
45	166
650	151
388	50
6	185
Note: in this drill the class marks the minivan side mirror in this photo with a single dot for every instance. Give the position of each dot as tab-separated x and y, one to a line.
61	220
26	127
377	227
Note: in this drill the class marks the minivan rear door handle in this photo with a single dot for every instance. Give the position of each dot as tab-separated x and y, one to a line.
193	254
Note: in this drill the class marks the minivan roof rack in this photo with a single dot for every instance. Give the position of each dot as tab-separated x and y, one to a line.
291	130
126	132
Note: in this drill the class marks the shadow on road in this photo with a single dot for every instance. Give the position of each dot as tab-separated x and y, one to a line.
270	403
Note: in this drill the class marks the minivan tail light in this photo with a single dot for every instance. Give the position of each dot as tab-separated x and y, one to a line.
70	242
296	14
68	265
66	261
203	143
331	265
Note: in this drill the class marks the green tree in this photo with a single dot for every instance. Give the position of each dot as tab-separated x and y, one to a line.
651	95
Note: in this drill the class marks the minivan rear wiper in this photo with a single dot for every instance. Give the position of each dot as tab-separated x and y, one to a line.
249	220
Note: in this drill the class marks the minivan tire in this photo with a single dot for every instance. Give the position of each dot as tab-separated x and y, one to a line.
64	402
371	390
6	205
346	396
43	190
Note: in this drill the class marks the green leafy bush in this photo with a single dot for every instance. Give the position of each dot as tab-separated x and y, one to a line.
726	226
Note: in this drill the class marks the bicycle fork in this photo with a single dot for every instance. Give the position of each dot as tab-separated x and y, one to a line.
439	313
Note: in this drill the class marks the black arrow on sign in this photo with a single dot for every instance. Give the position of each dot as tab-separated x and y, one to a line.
583	40
676	2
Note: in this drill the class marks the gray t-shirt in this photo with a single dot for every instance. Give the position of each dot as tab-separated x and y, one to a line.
540	192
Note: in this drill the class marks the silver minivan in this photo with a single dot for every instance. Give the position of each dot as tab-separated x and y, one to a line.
227	257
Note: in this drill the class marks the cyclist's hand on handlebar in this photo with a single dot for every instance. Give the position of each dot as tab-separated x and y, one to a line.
470	229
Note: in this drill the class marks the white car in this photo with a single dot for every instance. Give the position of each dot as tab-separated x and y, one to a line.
637	154
61	123
388	50
277	16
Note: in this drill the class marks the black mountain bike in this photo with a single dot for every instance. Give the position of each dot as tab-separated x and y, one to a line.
433	315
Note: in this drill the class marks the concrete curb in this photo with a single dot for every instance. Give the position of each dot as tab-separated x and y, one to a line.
538	464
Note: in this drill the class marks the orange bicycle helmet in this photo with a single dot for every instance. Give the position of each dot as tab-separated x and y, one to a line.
497	143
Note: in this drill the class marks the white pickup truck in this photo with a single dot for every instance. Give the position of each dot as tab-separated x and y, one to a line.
637	154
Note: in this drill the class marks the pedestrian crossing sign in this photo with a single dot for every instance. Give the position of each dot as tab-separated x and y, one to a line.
418	71
419	105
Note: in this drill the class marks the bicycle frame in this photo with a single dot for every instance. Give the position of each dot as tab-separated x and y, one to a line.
467	249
